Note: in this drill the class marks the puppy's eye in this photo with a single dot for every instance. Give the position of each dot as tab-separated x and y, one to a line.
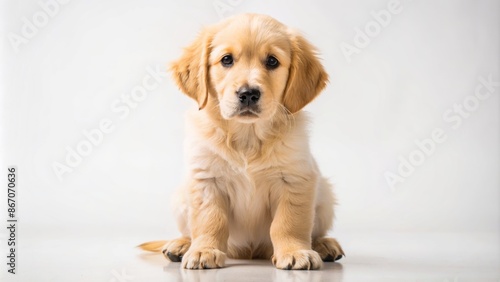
227	61
272	62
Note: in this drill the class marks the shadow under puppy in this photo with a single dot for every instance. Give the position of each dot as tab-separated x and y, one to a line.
253	189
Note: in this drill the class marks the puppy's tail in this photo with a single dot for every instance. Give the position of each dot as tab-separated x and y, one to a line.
153	246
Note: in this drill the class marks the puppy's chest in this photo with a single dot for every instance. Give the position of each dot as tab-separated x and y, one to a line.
249	201
248	167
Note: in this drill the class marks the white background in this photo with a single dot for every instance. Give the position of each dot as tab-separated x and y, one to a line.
430	57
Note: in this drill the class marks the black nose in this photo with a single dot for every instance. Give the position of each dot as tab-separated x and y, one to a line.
248	96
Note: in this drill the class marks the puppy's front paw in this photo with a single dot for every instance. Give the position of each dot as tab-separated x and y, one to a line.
302	259
203	258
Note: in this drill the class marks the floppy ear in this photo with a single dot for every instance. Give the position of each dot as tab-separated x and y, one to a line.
190	71
306	77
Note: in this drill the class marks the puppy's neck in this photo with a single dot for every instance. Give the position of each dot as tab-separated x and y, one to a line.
246	141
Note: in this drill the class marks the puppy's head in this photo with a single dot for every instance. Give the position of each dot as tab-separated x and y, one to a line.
248	68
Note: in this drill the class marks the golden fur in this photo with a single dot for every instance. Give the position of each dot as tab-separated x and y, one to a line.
253	190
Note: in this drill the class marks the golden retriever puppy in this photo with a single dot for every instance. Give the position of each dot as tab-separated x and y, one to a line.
252	190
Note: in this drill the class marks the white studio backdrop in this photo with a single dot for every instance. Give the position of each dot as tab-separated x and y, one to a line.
407	129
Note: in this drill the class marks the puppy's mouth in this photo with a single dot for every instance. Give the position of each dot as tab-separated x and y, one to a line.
242	113
247	113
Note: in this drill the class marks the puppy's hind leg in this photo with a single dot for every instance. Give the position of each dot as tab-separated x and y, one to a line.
172	249
328	248
175	249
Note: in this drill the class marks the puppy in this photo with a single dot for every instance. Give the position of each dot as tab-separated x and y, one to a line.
253	190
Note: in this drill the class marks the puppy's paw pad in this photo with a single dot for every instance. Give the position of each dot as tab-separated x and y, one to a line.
203	258
302	259
174	250
328	249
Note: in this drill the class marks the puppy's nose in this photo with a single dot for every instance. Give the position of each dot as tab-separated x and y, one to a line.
248	96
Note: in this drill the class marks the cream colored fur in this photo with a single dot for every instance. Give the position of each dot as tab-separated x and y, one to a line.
253	189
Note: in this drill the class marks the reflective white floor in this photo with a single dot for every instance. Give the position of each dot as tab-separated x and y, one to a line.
370	257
